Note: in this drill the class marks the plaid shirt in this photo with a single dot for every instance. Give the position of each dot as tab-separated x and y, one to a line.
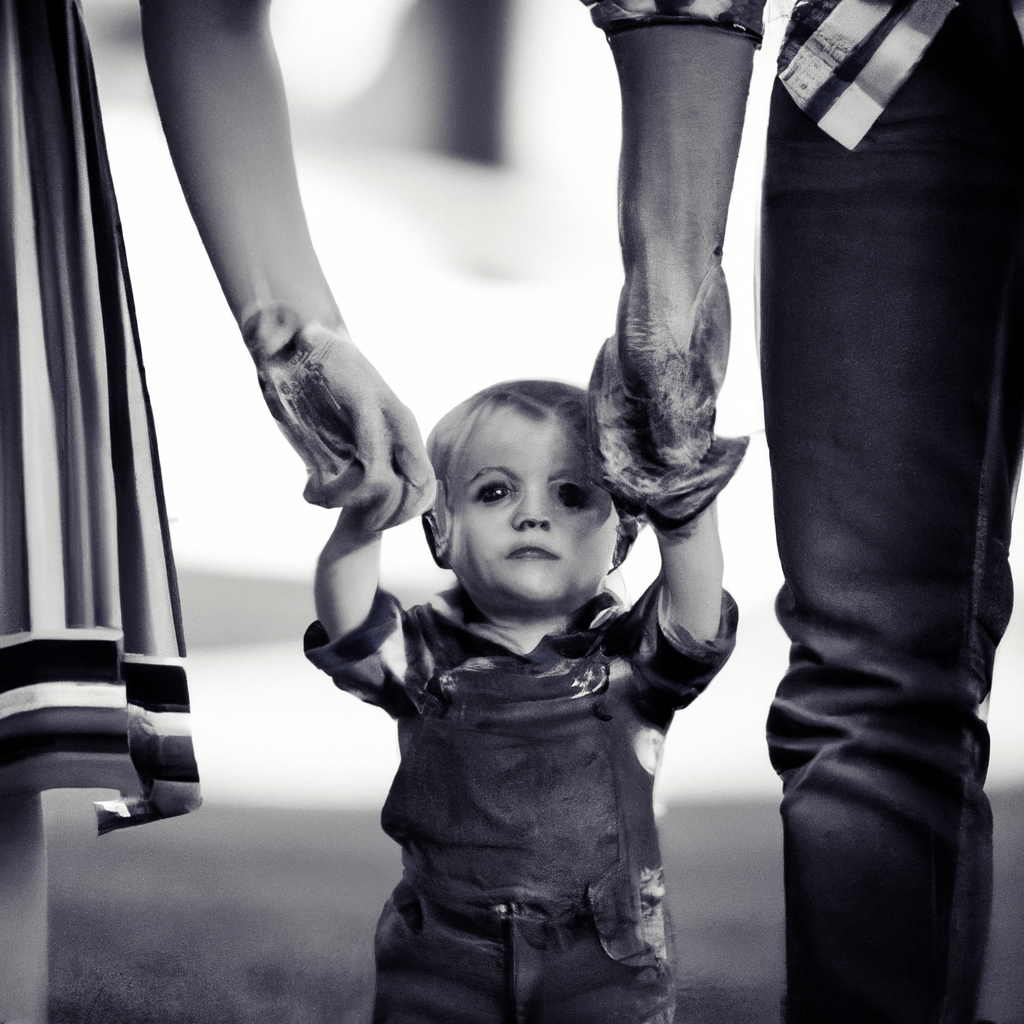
842	61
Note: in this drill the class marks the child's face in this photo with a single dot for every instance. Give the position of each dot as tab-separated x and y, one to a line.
531	536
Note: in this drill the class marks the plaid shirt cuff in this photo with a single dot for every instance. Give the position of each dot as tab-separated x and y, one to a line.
744	16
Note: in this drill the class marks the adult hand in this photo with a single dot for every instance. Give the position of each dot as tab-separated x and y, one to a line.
652	409
361	445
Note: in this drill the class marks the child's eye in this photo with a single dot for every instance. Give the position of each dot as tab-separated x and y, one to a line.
572	495
493	492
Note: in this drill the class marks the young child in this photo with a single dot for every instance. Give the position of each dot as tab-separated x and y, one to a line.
531	710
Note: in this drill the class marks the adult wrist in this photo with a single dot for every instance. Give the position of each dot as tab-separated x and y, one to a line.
269	331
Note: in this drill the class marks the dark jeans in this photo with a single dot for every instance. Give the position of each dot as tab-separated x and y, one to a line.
507	965
893	379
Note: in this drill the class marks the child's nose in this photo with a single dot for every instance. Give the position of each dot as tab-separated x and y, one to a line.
532	523
531	514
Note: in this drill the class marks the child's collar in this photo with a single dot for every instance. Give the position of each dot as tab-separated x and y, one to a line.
457	607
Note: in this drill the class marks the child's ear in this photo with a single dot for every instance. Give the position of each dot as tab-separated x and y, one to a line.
626	533
436	528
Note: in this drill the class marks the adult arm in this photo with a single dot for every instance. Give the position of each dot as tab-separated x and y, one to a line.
221	99
684	92
684	88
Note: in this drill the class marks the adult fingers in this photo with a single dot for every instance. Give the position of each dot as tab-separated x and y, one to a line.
409	475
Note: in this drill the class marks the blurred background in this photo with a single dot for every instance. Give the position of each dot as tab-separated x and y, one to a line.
457	160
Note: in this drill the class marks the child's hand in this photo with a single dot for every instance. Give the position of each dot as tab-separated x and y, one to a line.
361	445
652	411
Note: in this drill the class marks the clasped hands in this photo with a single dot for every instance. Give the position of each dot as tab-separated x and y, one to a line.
652	412
361	446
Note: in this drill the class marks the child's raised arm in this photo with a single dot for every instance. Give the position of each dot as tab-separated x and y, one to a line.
692	565
347	574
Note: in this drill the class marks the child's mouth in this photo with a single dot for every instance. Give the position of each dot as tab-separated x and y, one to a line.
532	552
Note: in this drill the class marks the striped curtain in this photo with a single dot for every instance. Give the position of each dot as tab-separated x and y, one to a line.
92	681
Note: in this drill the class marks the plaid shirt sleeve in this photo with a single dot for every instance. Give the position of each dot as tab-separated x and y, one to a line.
743	16
383	662
844	60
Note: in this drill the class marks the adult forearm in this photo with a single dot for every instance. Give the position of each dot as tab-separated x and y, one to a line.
684	90
221	100
655	384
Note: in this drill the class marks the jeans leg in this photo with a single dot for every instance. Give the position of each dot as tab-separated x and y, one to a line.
433	971
891	337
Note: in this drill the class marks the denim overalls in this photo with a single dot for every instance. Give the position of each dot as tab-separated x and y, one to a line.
533	888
